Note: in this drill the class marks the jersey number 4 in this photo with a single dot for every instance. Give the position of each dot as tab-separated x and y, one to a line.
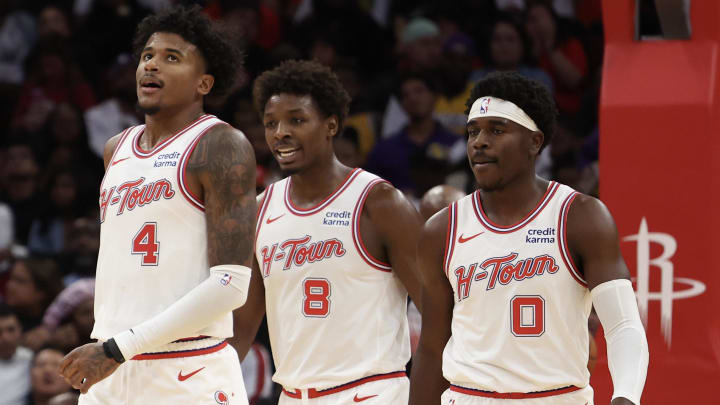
145	243
316	301
527	315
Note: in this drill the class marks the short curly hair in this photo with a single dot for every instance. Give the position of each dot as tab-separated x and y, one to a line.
301	78
221	54
530	95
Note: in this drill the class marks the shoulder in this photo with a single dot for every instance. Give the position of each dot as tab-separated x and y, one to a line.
589	219
438	223
385	195
221	144
110	146
226	133
389	207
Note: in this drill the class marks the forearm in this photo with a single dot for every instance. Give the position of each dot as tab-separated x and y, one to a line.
426	381
224	290
626	342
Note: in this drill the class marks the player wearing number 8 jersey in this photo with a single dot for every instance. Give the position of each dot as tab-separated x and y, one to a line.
177	212
335	253
511	271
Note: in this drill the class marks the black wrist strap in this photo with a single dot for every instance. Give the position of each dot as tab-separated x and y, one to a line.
112	350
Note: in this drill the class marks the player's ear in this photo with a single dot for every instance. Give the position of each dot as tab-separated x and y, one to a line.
536	142
206	84
333	125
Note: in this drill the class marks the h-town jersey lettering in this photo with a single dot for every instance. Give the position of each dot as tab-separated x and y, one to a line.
335	313
521	307
153	240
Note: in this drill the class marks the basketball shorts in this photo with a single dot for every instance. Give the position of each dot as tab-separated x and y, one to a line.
583	396
369	391
207	375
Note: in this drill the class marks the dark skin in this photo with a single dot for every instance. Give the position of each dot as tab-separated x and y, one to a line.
388	222
502	156
221	170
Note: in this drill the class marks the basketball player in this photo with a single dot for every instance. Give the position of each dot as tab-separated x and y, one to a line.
510	273
334	253
177	207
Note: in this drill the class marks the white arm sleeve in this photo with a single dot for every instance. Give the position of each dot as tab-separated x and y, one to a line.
224	290
627	347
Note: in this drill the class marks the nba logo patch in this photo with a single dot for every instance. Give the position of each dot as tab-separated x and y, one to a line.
484	105
225	280
221	398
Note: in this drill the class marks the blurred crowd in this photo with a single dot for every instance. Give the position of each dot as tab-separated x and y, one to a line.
67	85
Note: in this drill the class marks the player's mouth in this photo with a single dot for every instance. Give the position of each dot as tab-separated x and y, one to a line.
482	162
286	154
149	84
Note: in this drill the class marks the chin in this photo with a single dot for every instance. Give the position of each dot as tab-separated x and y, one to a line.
485	184
148	109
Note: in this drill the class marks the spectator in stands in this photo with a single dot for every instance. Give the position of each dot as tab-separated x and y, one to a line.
17	35
15	360
48	233
53	21
558	53
79	258
46	382
509	49
454	82
32	286
20	177
421	143
118	112
53	78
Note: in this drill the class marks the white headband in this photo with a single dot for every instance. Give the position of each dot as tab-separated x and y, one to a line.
497	107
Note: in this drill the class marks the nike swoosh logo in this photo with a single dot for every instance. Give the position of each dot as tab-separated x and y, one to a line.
182	377
119	160
360	399
271	220
463	240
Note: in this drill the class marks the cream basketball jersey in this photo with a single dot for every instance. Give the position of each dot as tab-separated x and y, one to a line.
335	314
521	308
153	241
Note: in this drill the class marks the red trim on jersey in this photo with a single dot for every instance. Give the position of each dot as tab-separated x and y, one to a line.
260	383
490	225
513	395
450	237
357	236
562	240
124	135
185	191
191	339
144	154
263	210
313	393
181	353
312	210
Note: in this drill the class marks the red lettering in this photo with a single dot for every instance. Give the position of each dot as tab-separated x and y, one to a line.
464	278
267	259
104	201
496	264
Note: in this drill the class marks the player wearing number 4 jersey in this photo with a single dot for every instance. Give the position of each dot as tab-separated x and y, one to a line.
177	207
511	271
335	254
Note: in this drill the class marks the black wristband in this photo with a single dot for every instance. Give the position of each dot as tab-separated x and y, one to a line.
112	350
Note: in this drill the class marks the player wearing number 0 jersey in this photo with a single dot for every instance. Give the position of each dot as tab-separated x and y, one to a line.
335	253
177	212
511	271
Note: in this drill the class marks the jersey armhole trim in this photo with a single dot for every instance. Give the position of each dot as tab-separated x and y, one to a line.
263	210
357	237
194	200
450	237
124	135
562	240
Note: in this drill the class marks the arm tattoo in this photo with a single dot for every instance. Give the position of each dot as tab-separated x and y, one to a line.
224	163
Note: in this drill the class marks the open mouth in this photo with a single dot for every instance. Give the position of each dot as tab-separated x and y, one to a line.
286	152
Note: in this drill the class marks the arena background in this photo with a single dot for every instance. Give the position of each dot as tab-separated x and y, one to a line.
638	126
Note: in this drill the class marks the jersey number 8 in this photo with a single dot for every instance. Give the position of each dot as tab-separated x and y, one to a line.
316	301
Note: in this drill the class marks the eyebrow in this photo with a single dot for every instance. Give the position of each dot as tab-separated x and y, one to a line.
179	52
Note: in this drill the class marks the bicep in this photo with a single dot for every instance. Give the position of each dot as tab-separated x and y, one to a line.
437	294
593	238
399	224
226	172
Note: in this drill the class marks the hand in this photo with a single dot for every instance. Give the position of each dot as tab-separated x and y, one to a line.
35	338
621	401
87	365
